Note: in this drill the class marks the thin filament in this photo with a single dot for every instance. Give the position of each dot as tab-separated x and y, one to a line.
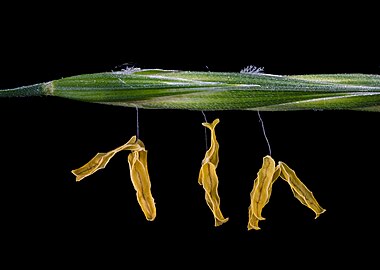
265	135
137	123
205	118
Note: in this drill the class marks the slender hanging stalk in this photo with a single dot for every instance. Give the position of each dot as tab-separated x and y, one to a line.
203	91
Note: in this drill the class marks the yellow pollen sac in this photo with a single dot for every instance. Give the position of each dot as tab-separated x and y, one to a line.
141	182
138	166
300	191
208	177
101	160
261	191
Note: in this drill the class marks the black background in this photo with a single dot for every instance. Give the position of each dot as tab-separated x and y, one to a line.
49	218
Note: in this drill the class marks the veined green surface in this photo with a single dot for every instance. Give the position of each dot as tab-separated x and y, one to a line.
170	89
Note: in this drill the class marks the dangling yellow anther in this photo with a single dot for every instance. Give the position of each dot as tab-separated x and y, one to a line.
208	177
300	191
101	160
261	191
138	166
141	182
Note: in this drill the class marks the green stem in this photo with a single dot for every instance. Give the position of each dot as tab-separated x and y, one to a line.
24	91
203	91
